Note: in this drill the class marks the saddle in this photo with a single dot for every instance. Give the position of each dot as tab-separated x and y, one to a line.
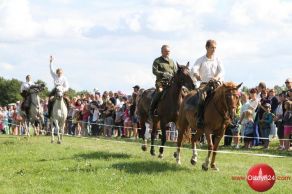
203	94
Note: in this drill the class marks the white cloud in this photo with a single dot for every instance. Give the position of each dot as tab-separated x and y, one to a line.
16	20
134	23
272	12
129	35
167	19
6	67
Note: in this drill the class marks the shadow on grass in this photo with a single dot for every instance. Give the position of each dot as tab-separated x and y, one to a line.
147	167
102	155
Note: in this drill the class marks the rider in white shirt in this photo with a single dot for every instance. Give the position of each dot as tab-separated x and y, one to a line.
206	68
59	80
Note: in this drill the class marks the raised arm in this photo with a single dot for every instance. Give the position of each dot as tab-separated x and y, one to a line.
51	68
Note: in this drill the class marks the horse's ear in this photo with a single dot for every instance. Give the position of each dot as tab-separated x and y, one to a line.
237	87
188	64
178	66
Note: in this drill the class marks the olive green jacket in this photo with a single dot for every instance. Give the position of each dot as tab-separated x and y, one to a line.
162	66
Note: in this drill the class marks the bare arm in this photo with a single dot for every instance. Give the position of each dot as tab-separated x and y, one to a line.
51	67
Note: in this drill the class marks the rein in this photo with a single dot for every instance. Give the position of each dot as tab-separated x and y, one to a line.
227	116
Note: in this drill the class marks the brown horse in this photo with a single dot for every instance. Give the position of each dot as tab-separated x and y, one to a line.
218	114
168	107
143	101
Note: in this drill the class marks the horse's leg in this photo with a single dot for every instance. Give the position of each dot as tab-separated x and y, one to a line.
61	129
195	138
216	144
179	143
26	129
163	139
143	130
205	165
58	131
52	131
153	134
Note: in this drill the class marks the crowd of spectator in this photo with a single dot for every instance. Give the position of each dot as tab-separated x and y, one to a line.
262	115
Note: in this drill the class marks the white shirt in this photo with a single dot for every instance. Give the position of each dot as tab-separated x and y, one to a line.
95	115
208	68
59	81
25	86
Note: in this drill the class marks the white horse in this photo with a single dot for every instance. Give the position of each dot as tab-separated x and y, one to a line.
59	114
35	112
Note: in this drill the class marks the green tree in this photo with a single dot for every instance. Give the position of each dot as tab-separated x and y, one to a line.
10	91
245	89
71	93
279	89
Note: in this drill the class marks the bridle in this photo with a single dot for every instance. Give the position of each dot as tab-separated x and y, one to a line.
227	115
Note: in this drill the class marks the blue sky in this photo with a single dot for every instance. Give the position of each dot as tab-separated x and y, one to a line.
110	45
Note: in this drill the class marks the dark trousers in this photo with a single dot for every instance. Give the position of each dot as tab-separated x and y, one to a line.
94	129
228	140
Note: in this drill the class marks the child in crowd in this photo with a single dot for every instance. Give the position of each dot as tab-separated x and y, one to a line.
94	116
265	123
108	121
287	121
127	121
248	125
118	122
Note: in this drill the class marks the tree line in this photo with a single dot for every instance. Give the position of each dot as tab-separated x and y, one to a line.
10	91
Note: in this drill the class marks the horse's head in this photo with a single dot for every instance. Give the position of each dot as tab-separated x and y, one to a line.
59	92
231	96
183	76
36	88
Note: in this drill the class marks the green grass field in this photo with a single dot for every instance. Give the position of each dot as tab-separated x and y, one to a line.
82	165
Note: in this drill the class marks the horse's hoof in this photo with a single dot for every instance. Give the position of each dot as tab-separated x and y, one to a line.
178	162
144	148
174	154
204	167
152	153
59	142
193	162
52	141
160	156
214	167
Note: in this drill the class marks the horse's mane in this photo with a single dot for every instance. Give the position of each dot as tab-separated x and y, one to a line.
219	92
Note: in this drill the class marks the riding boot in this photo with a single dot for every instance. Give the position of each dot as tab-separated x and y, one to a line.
154	103
200	116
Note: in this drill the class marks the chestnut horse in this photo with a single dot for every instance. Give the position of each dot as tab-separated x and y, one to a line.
218	114
168	107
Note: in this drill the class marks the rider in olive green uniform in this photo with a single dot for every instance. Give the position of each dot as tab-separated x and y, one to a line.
164	69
